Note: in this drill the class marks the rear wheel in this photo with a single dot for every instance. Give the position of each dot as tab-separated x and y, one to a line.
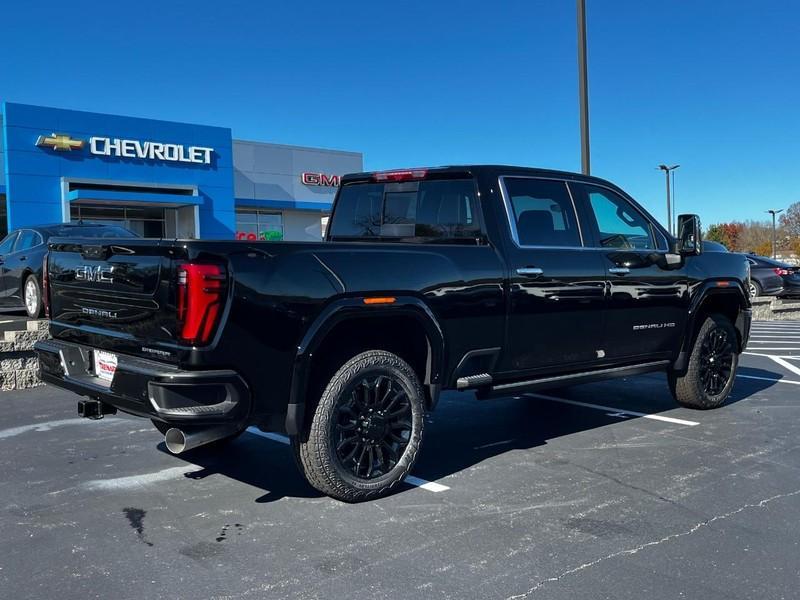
366	430
712	366
755	289
32	297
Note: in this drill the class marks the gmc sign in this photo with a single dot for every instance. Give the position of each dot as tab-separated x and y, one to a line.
320	179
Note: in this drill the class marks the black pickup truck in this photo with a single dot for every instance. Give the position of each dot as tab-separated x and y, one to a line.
491	279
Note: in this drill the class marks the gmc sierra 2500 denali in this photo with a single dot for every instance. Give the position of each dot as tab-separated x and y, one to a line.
491	279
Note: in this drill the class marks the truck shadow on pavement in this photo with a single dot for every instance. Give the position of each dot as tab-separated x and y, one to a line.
463	432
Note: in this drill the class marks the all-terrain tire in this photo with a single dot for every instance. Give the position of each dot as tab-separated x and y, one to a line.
316	451
691	389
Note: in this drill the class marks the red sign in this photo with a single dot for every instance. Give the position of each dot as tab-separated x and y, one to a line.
320	179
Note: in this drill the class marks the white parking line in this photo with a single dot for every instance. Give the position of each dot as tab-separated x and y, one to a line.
615	411
430	486
786	365
137	481
749	353
776	348
768	379
47	426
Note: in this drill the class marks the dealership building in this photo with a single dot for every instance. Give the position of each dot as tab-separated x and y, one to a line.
160	178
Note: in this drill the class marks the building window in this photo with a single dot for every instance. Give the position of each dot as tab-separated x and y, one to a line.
145	221
255	224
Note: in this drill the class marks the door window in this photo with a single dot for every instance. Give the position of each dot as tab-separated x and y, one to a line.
27	239
543	213
619	224
7	245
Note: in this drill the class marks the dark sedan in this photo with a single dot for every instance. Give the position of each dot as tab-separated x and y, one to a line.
790	275
22	254
766	276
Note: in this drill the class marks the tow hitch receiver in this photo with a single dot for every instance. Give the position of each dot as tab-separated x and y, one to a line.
94	409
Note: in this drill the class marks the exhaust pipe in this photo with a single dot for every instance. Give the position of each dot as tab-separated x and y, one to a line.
178	441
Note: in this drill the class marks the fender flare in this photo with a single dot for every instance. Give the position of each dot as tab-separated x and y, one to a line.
353	308
705	291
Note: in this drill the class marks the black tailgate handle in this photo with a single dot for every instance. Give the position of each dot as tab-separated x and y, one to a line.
101	252
95	252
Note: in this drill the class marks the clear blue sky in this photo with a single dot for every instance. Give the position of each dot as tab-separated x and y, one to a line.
712	85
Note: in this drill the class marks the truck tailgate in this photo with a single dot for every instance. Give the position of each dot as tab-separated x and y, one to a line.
114	293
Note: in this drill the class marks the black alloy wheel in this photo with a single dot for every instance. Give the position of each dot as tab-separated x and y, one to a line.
710	372
716	360
366	430
372	427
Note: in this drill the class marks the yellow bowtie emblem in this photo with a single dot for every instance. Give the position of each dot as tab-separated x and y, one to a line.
59	141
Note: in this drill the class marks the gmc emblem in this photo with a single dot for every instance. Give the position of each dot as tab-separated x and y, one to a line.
320	179
99	274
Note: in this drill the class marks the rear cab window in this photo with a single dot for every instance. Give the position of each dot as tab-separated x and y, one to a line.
426	211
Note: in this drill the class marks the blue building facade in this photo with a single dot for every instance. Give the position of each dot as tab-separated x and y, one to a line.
161	178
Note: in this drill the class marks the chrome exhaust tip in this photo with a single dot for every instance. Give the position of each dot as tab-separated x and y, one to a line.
179	441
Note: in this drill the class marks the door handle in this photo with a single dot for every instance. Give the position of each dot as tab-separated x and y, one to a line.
23	258
529	271
619	270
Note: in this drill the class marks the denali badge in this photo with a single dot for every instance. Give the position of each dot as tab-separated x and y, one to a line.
653	326
154	351
99	274
99	312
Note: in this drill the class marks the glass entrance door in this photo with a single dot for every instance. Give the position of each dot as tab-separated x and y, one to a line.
146	221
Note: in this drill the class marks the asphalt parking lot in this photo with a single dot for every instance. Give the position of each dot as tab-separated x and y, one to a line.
606	490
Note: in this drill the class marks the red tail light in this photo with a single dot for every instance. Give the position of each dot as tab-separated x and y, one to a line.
406	175
46	287
779	271
201	290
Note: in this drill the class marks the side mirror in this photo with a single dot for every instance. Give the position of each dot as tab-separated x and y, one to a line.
690	238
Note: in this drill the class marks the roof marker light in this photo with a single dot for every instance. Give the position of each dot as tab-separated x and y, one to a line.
380	300
404	175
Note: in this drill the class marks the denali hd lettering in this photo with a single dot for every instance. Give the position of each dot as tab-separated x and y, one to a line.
473	278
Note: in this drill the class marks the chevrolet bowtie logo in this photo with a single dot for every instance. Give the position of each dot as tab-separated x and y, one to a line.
59	141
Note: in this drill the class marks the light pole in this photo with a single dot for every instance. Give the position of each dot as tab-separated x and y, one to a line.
774	212
583	87
667	171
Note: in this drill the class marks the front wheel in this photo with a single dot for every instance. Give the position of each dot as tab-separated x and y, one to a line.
366	430
755	289
32	296
712	366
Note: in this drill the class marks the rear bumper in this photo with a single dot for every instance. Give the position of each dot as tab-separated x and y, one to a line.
148	388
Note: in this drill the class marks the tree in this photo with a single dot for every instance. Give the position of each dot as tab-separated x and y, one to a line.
790	220
727	234
763	249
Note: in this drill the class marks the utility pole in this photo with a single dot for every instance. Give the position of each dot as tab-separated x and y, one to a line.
667	171
583	88
774	212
